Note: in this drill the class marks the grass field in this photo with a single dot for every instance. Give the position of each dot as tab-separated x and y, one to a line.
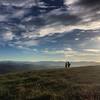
82	83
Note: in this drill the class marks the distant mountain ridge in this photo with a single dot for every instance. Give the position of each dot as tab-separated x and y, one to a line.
62	63
15	66
10	66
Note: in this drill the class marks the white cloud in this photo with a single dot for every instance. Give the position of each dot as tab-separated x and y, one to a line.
7	36
95	25
26	43
70	2
93	50
93	43
53	29
98	38
68	49
76	39
19	14
18	3
86	55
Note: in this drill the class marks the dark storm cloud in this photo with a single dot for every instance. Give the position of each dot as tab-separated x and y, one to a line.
89	3
93	5
24	19
87	10
28	17
62	17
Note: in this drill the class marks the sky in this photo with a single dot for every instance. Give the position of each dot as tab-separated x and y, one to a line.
50	30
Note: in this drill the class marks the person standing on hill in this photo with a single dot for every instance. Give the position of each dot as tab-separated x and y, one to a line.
67	64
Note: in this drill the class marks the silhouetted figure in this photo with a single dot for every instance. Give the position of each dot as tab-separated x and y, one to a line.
67	64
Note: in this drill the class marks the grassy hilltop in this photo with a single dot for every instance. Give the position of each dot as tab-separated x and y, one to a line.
54	84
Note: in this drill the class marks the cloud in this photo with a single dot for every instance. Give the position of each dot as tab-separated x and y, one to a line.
3	18
89	3
61	17
7	36
25	43
86	55
29	19
92	43
72	24
87	10
27	22
93	50
19	14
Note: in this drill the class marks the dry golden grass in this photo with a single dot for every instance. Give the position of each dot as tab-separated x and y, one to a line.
55	84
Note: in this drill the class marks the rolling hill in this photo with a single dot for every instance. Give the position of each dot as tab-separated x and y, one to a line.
81	83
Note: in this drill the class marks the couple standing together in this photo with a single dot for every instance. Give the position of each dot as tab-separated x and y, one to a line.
67	64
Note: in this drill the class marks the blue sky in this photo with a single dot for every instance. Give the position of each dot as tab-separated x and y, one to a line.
50	30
